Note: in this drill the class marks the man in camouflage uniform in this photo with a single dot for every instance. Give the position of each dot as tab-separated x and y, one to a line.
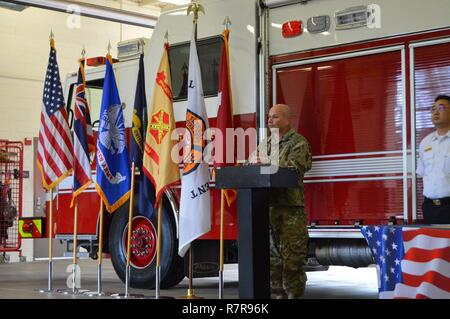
288	229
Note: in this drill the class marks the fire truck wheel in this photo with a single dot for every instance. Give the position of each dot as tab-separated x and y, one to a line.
143	251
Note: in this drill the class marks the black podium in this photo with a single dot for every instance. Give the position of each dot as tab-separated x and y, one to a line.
253	184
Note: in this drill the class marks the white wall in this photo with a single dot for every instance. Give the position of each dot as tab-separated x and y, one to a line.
23	61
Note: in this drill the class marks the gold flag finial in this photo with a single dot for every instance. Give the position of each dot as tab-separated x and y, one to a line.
166	36
52	39
195	8
83	52
108	55
227	23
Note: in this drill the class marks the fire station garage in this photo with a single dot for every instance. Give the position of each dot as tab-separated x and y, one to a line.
224	149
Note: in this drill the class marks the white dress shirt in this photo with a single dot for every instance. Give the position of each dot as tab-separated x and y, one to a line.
434	165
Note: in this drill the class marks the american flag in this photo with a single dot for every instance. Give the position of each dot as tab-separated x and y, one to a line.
412	262
55	142
82	139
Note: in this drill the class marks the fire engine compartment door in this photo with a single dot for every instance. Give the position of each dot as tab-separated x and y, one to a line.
351	109
430	76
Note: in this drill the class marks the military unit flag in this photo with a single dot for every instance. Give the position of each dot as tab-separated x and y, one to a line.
224	154
82	139
138	140
55	148
158	165
113	163
195	206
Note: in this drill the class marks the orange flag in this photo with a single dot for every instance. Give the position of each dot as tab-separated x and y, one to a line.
225	118
157	163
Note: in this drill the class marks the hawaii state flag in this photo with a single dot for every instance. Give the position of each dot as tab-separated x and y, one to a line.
82	139
113	163
224	154
195	206
158	165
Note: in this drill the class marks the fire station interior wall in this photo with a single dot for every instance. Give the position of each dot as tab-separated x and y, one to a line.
23	62
392	18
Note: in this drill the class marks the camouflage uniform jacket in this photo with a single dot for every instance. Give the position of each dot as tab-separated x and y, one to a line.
294	150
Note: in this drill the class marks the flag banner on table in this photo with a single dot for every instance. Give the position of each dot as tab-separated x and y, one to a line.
158	165
55	148
195	207
226	145
113	163
412	262
138	140
82	139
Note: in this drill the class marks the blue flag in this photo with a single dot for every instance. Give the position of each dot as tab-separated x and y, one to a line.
113	163
138	140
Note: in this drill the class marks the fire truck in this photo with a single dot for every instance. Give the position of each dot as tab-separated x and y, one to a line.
359	76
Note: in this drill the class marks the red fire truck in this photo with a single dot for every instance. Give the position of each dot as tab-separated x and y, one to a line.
360	79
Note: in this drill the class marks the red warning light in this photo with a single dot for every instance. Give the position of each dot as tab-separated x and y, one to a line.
96	61
292	29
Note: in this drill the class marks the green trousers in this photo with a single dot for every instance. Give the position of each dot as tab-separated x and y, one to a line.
288	250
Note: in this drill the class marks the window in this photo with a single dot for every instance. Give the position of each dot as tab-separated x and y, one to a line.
209	54
93	93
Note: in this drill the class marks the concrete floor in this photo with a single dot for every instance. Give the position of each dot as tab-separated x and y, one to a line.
21	280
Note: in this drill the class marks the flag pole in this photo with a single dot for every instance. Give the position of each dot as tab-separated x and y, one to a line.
99	254
158	251
190	292
75	243
130	222
50	223
195	8
100	250
50	244
158	254
226	23
222	208
50	247
158	237
75	228
62	132
158	231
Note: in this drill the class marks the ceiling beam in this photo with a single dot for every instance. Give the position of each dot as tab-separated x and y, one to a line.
92	11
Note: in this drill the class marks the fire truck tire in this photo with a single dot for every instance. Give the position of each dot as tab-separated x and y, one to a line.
172	271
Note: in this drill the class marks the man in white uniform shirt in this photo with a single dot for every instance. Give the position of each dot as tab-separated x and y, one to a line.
434	165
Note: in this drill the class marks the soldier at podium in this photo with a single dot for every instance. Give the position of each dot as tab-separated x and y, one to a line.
288	226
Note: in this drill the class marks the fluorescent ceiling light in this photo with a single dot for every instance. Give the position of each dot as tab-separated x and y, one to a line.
177	2
12	6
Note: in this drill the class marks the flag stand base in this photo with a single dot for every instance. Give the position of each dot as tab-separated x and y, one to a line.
96	294
71	291
43	290
190	295
160	297
130	296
